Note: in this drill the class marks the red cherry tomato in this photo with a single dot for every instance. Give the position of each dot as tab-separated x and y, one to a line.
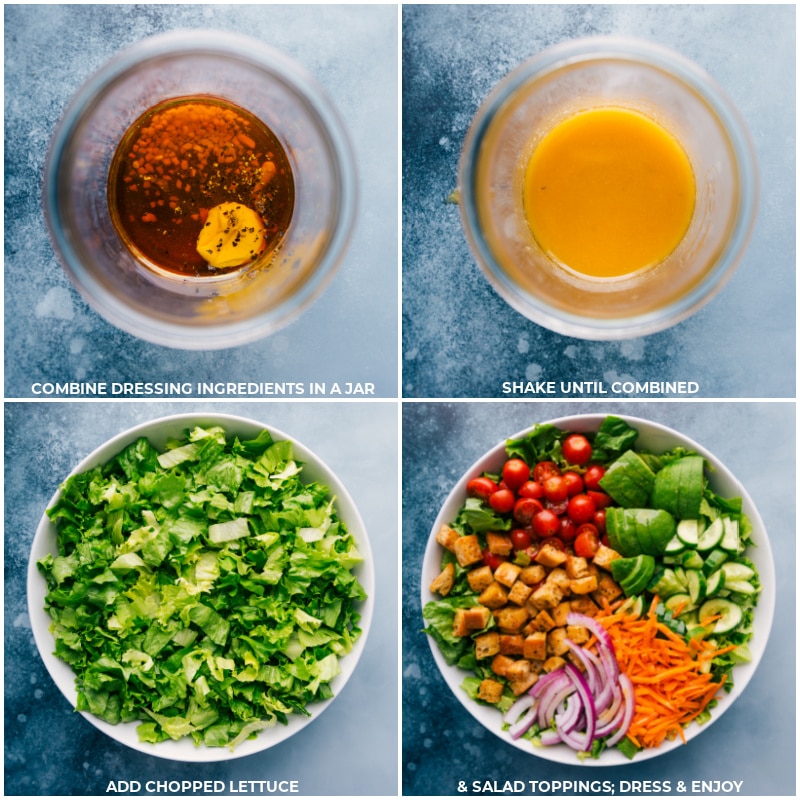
568	530
574	483
604	540
515	473
576	449
599	521
502	501
601	499
554	541
555	489
581	508
544	470
521	539
559	508
592	476
481	487
531	489
546	524
525	509
492	560
587	542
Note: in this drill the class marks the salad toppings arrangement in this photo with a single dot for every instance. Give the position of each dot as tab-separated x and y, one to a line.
597	595
205	590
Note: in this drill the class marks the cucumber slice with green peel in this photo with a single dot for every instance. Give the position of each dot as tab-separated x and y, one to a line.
696	583
714	560
715	582
679	604
688	531
690	559
666	583
711	536
674	546
730	538
730	615
740	587
736	571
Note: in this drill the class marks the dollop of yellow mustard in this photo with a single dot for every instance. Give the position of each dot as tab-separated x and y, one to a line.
231	236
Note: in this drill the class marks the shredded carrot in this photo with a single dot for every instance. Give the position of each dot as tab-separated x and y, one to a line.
670	686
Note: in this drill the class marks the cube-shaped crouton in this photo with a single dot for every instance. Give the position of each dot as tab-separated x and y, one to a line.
467	550
557	642
550	556
519	670
577	566
498	543
479	578
519	593
447	536
493	596
477	617
487	645
507	573
443	582
583	585
460	627
553	663
560	613
532	574
546	596
500	664
490	691
577	634
608	590
520	686
535	647
511	619
558	577
604	556
511	644
541	622
584	605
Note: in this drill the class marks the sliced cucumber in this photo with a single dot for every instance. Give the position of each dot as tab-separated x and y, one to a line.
674	546
696	582
711	536
689	530
714	560
730	538
715	582
690	559
681	601
740	587
736	571
730	615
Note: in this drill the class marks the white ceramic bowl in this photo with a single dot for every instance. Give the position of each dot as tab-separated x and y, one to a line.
158	432
654	438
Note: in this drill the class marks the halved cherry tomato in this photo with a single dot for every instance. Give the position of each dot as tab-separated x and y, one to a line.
521	539
554	541
525	509
544	470
574	483
555	489
601	499
592	476
546	523
492	560
559	508
576	449
481	487
581	508
599	521
568	530
531	489
515	473
502	501
587	542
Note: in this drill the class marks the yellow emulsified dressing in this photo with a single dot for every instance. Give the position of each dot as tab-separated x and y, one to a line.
609	192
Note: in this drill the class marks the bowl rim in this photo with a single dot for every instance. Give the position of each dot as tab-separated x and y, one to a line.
697	80
247	50
184	750
489	717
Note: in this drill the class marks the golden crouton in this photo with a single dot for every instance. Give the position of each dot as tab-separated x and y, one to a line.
604	556
532	574
490	691
460	627
500	664
550	556
557	642
498	543
467	550
477	617
493	596
553	663
577	634
584	585
546	596
443	583
541	622
487	645
558	577
608	590
522	685
511	644
507	573
518	671
560	613
479	578
535	647
519	593
584	605
577	566
511	619
447	537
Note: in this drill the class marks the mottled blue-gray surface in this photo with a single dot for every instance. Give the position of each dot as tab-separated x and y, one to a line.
350	750
460	339
754	742
348	334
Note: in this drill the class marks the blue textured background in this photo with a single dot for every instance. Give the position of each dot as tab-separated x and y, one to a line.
348	334
460	339
753	742
350	750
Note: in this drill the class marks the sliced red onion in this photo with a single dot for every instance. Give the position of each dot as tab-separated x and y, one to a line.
521	704
630	705
587	701
524	723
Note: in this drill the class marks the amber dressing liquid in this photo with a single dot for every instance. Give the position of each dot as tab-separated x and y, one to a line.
181	159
